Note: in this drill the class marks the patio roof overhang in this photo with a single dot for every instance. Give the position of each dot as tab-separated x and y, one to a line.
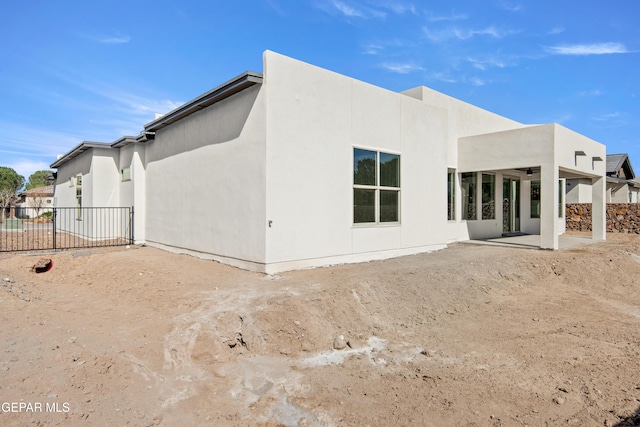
535	147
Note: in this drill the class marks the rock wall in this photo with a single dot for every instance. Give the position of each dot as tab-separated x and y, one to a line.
621	217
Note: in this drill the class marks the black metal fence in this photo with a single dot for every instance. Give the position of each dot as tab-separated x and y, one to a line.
67	228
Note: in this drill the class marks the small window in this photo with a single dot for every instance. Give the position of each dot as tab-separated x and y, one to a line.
468	188
125	173
376	187
560	199
451	194
535	199
488	196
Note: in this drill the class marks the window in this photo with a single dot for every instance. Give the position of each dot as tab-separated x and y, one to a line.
376	187
79	197
451	194
560	199
488	196
535	199
468	188
125	174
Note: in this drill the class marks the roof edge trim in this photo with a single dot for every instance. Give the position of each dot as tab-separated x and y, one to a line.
225	90
77	150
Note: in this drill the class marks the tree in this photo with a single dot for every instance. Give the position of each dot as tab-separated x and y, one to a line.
36	200
39	179
10	183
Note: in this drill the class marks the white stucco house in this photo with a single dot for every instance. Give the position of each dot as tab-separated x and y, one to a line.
621	186
34	202
299	167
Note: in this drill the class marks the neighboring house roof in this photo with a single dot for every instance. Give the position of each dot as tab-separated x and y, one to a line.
225	90
39	192
46	191
615	162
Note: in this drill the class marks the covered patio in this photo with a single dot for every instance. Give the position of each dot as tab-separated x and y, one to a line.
532	163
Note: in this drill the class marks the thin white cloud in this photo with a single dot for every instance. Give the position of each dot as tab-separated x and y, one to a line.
350	9
477	81
563	118
26	167
402	68
588	49
488	62
432	17
27	141
590	93
465	33
276	7
115	40
372	49
397	7
555	30
610	120
607	117
443	78
510	7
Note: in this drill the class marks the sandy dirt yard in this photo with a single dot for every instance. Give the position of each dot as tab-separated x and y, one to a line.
468	336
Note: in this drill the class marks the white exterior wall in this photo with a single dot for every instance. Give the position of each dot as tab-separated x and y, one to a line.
65	189
133	191
578	191
464	119
315	118
205	182
102	187
617	193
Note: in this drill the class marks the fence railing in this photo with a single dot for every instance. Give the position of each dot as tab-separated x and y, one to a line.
67	228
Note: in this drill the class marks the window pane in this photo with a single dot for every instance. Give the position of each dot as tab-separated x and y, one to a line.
364	205
364	167
389	206
468	187
451	194
389	170
488	196
535	199
560	199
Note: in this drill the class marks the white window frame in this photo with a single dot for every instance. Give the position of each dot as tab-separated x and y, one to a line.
125	174
377	188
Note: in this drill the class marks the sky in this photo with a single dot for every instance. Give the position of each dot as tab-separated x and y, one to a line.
73	71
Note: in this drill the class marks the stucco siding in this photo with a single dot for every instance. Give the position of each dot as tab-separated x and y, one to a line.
205	180
314	121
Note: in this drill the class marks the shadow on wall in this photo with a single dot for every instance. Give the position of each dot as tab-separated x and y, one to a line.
219	123
632	420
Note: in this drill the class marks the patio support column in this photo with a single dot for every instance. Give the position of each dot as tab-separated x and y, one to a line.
598	208
549	176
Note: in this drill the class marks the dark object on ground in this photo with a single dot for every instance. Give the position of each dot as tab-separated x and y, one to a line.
43	265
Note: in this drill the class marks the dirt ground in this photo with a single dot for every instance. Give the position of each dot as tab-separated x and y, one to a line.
468	336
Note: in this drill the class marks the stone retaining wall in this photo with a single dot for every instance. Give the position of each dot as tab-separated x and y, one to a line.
621	217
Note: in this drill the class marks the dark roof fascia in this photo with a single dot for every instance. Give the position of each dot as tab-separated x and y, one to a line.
225	90
124	141
77	150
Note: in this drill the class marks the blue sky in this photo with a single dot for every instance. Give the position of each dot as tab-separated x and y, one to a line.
95	71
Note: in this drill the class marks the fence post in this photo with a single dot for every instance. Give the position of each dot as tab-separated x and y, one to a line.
53	221
131	226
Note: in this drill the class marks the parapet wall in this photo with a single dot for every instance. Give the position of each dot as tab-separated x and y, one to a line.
621	217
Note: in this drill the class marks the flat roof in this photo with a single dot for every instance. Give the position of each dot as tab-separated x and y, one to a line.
225	90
